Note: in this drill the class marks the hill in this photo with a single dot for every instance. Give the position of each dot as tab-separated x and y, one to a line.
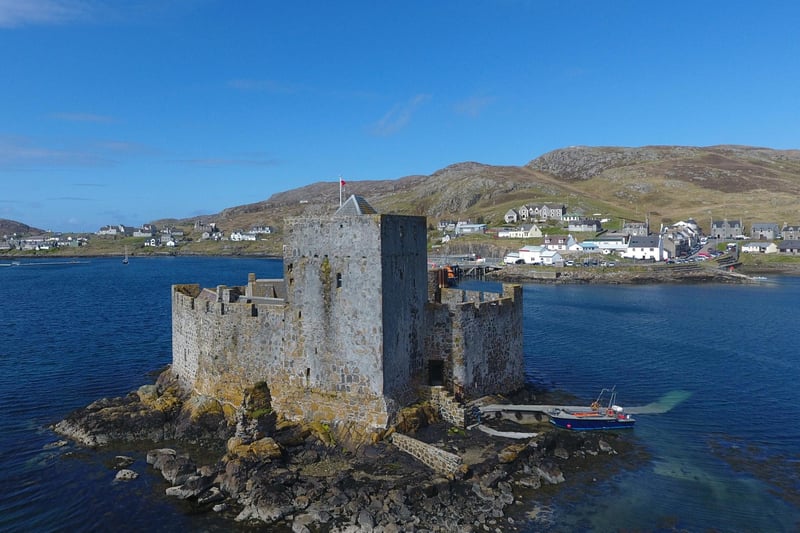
666	183
11	227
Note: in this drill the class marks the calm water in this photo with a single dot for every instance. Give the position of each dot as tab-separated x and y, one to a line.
725	457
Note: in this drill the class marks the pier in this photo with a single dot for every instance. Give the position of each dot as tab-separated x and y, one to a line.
467	267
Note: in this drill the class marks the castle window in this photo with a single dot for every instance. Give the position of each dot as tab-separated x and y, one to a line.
308	377
338	280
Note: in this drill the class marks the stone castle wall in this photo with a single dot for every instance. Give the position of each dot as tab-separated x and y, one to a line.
349	333
222	348
478	338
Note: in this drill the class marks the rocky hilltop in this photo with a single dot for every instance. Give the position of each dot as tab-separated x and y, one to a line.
11	227
668	182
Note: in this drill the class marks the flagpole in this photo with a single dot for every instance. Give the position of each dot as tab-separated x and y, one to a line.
341	184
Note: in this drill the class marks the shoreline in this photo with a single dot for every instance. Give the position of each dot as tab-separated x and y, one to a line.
655	274
327	482
620	274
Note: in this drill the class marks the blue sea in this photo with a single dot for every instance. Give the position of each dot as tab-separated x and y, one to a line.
717	367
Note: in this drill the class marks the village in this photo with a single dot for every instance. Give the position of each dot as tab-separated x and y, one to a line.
548	234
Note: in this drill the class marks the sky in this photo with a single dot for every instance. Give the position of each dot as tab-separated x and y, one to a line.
126	112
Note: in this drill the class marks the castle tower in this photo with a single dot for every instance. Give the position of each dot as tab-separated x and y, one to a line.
356	288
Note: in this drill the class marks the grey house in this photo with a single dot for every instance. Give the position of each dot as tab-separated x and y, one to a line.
790	232
764	231
791	247
726	229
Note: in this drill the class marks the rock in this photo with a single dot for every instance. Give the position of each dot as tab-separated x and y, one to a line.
491	479
158	456
148	394
193	486
531	482
123	461
202	419
302	502
177	469
179	492
301	522
304	476
117	419
550	473
212	495
265	448
479	492
605	447
267	506
125	475
366	520
561	453
510	453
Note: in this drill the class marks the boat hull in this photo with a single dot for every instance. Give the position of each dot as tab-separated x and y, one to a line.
600	423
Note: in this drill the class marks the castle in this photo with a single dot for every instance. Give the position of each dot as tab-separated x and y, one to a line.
357	328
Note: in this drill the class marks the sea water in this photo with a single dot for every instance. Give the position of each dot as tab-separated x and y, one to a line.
716	366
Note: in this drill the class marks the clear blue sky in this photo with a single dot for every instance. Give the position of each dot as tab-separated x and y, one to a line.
129	111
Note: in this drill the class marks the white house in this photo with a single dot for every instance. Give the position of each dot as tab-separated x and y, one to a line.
266	230
463	228
760	247
645	247
526	231
558	242
584	247
531	254
611	242
242	236
551	257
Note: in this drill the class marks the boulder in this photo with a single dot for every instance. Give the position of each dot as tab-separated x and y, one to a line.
260	449
192	487
176	469
125	475
550	473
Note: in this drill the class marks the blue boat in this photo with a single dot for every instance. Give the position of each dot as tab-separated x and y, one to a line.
595	417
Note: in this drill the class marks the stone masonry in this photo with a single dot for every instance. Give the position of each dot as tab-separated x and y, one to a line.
355	330
439	460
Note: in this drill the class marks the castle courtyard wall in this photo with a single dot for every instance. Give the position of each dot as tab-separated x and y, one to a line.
222	348
478	337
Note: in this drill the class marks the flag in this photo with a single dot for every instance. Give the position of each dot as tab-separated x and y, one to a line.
341	181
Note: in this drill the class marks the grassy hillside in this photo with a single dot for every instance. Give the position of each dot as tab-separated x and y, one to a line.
668	183
662	183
